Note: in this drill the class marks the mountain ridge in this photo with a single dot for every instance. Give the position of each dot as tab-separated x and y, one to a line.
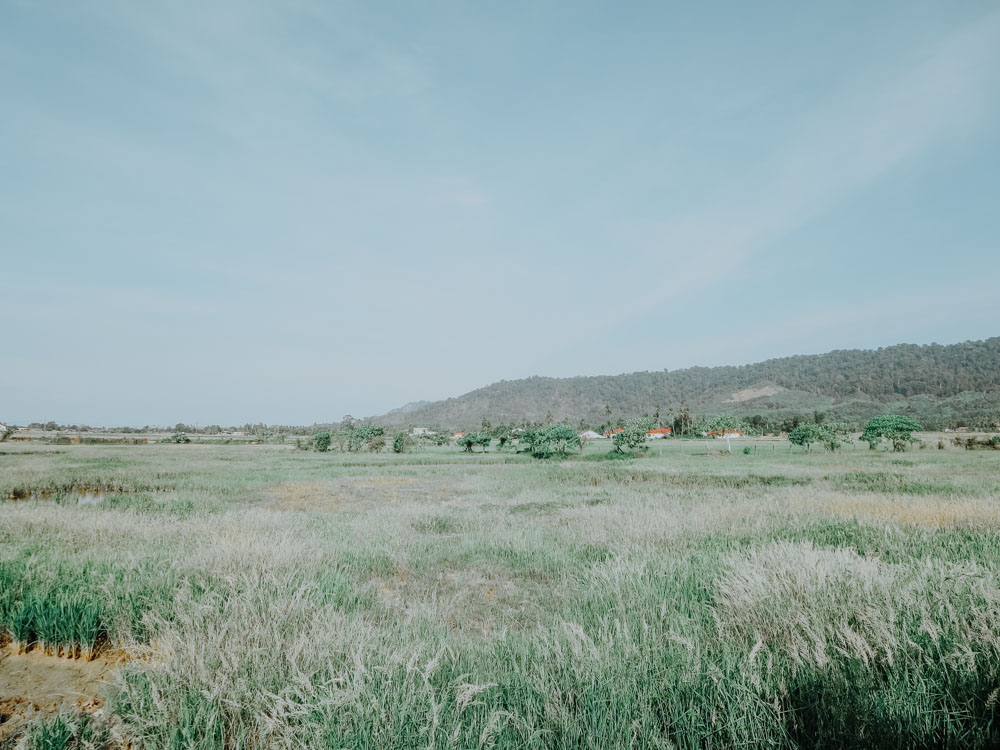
940	383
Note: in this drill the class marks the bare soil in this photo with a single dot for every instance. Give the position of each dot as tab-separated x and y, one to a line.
35	684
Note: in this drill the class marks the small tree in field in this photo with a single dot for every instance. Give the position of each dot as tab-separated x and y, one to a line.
892	427
468	441
633	435
832	436
321	441
805	435
399	442
556	440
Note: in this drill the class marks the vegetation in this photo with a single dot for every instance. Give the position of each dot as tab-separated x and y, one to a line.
321	441
896	429
832	436
468	441
267	597
556	440
939	386
178	437
633	435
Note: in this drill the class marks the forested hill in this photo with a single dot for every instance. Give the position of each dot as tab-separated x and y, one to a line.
957	384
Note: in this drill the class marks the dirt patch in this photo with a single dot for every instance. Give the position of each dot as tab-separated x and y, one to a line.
931	513
355	493
748	394
35	684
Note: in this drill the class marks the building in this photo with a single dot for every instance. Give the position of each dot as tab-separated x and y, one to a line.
659	432
722	434
421	431
589	435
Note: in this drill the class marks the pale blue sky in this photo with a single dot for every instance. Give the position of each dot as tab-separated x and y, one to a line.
219	212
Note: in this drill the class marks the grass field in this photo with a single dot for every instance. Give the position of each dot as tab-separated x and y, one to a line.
262	597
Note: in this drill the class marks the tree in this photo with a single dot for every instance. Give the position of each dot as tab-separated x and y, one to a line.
555	440
684	421
633	435
366	437
805	435
471	439
895	428
832	436
178	437
502	433
321	441
399	442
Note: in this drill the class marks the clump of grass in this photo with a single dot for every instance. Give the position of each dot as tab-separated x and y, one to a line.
66	731
895	483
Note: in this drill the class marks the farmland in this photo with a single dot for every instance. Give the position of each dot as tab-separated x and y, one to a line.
258	596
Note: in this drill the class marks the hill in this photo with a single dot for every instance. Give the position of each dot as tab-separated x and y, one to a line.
940	385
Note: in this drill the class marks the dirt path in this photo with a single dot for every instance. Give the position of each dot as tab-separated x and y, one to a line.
34	684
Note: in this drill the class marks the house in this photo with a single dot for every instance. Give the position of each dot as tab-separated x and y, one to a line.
659	432
612	433
421	431
458	435
723	434
589	435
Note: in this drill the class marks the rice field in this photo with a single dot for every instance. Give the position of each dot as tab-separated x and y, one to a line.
252	597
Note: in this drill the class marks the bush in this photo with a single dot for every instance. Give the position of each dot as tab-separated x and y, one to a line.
366	437
321	441
556	440
178	437
471	439
832	436
399	442
633	435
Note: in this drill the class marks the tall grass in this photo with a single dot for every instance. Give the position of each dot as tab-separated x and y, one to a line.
298	600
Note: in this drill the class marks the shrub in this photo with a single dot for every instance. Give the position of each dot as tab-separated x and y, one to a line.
178	437
633	435
366	437
321	441
550	441
399	442
832	436
472	439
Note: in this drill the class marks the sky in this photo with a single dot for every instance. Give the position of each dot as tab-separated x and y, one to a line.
243	211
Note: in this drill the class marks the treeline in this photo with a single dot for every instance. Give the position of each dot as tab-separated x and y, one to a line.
940	386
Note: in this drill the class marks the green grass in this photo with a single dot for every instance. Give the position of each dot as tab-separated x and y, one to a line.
432	599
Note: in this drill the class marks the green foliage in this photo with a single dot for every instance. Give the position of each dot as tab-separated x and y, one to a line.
722	423
633	435
832	435
471	439
892	427
321	441
939	386
178	437
502	433
556	440
366	438
67	731
399	442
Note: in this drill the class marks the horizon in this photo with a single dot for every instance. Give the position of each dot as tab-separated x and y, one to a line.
202	424
257	212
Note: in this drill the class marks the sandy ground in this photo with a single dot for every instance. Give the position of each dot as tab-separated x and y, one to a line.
35	684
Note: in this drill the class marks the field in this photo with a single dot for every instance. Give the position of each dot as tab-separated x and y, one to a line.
240	596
